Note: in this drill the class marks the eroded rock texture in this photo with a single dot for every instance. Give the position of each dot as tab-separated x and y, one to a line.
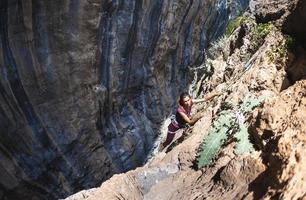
256	60
84	85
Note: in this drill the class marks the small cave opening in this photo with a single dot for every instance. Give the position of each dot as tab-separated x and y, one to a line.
297	69
294	23
294	27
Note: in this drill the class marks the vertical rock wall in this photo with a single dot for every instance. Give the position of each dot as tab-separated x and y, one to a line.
84	85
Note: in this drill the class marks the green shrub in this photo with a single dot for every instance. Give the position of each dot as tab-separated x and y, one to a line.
217	134
232	25
243	143
235	23
259	32
262	30
249	103
223	127
290	42
281	49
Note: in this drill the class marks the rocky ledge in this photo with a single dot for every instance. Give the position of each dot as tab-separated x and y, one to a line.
84	85
262	59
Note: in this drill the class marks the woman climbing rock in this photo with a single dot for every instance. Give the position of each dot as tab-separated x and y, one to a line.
182	117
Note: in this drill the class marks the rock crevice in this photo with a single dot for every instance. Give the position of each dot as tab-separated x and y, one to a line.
268	69
81	82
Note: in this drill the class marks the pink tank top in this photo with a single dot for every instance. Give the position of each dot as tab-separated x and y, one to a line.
181	109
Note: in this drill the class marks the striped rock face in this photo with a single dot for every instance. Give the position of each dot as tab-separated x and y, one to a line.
258	62
85	85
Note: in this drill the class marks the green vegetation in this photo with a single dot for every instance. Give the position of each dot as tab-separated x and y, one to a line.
259	32
284	46
243	145
235	23
225	126
217	134
262	30
281	49
290	42
249	103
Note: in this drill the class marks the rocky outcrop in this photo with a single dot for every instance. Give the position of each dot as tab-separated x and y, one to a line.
281	128
257	60
85	84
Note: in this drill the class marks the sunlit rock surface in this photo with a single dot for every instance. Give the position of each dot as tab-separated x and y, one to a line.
85	84
270	68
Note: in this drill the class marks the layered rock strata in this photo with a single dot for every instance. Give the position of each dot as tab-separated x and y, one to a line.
84	85
257	60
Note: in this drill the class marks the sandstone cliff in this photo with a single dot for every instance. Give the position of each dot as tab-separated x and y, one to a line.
262	59
85	84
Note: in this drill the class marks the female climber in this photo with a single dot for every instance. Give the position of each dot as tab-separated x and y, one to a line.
183	117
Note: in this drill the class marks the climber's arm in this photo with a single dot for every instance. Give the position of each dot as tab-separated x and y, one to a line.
188	120
206	97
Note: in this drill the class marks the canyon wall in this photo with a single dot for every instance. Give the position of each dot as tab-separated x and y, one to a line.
260	67
85	84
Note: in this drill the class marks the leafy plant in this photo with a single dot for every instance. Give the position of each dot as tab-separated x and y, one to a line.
290	42
243	145
260	31
280	50
249	103
226	124
217	134
286	44
235	23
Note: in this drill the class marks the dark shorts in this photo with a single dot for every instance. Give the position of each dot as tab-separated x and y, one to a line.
172	128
